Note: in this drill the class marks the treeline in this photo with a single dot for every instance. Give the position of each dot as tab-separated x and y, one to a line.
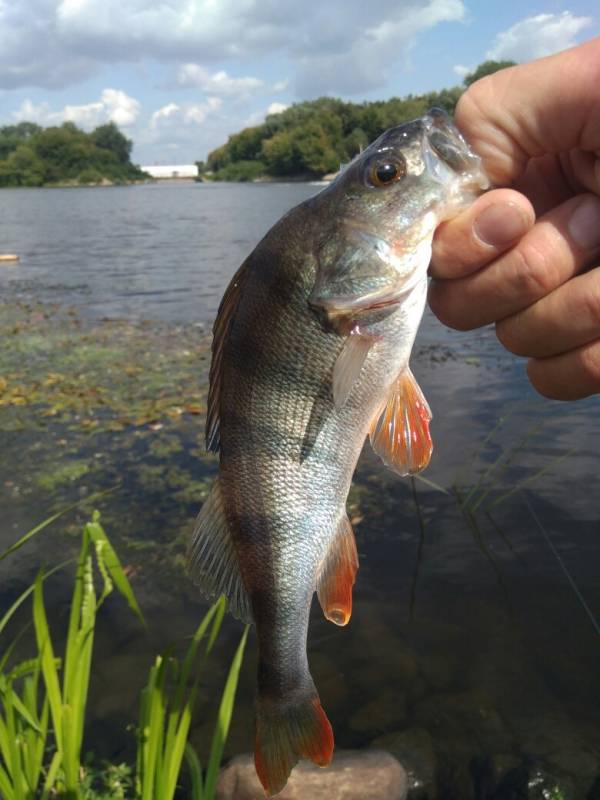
314	137
34	156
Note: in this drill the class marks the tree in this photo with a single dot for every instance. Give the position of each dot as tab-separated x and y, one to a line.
33	156
280	154
22	168
12	135
487	68
109	137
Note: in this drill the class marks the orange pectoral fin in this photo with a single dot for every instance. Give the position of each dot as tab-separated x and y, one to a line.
400	434
336	579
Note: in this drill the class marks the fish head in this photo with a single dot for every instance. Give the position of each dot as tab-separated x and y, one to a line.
380	215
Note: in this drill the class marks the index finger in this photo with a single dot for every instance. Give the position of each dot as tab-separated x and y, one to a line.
547	106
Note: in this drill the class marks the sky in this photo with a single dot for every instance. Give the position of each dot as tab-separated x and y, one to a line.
179	76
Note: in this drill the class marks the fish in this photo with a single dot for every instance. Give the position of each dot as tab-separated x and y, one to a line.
310	355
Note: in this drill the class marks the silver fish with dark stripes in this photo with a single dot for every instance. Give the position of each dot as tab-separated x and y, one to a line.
310	355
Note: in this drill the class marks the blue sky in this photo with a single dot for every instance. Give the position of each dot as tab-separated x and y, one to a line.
178	76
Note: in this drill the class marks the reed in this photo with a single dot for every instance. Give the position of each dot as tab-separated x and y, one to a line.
43	700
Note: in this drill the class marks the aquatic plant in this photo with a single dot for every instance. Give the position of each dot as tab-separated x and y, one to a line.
43	700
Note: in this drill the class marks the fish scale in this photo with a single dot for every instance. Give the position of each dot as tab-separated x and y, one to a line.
310	354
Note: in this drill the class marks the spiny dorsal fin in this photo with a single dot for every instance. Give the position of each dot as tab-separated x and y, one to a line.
337	575
212	558
348	366
225	314
400	434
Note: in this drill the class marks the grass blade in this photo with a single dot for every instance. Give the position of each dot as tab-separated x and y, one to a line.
195	770
43	525
48	662
531	478
113	565
224	720
22	597
581	599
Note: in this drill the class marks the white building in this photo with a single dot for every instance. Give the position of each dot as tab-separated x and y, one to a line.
166	172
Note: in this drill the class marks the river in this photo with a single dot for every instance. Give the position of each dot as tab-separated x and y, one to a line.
474	649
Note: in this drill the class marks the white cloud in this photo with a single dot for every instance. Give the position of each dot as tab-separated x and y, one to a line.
163	114
258	117
538	36
281	86
219	83
54	43
277	108
113	106
461	70
173	114
364	61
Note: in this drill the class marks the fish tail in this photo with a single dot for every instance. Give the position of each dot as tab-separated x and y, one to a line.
286	732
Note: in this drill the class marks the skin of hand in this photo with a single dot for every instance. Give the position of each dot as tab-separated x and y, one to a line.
527	257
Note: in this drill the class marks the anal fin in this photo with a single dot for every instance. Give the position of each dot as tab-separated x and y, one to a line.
337	576
212	558
400	433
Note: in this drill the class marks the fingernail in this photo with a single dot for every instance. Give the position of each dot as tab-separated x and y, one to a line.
501	223
584	225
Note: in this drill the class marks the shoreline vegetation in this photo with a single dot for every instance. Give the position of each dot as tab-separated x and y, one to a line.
308	141
64	155
311	140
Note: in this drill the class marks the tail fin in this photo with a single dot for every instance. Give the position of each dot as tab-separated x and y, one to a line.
286	733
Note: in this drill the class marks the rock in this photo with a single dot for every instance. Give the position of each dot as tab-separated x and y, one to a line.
440	673
352	775
331	680
386	711
532	782
466	723
415	750
594	792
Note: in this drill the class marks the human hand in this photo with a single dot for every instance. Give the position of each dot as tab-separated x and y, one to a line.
537	128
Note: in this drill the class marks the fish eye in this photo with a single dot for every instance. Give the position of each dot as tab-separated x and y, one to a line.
386	171
448	151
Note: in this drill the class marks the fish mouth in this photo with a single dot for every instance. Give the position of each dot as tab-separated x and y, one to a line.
447	154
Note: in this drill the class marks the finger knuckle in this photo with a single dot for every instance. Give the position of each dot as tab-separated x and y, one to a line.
534	274
508	333
588	362
589	305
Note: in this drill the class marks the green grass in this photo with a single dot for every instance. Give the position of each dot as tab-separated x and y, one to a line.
43	700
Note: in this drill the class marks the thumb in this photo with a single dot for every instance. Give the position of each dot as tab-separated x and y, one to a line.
546	106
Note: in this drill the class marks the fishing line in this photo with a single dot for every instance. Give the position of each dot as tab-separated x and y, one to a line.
562	565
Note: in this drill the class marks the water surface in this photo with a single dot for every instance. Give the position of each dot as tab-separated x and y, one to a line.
473	652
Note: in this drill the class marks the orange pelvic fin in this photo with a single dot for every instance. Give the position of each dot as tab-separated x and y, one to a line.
286	734
400	434
337	576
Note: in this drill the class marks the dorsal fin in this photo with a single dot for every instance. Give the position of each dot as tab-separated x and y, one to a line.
400	433
227	309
